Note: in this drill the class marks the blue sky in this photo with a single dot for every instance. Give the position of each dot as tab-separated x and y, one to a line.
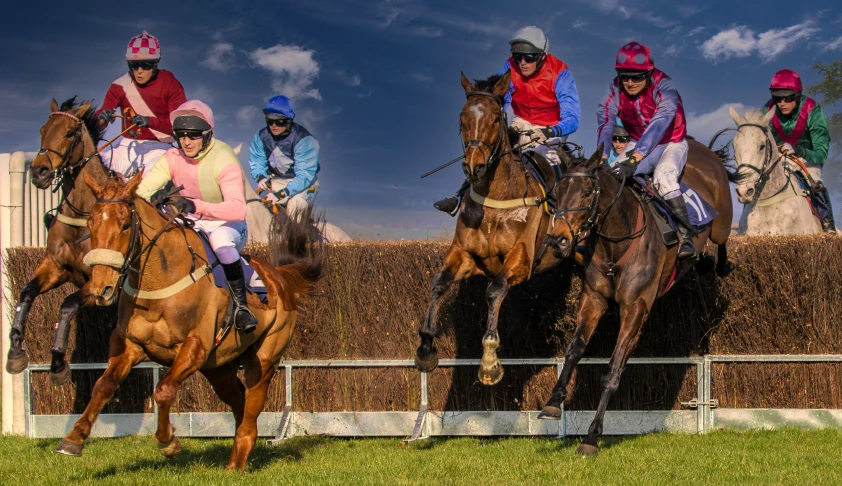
377	82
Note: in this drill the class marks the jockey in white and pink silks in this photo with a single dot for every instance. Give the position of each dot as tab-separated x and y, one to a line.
145	97
212	196
651	110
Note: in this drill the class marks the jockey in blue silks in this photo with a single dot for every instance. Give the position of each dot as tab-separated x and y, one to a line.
284	158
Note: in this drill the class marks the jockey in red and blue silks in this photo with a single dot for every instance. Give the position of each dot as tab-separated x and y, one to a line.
646	101
543	97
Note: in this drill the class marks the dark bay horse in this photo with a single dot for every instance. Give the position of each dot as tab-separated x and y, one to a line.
181	327
501	224
630	265
68	148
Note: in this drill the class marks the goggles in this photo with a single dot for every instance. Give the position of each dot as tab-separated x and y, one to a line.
283	122
620	139
191	134
786	99
634	78
526	57
145	65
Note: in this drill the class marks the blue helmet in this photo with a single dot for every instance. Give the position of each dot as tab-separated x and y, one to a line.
281	106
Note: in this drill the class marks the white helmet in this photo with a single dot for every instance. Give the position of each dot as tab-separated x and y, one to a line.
529	40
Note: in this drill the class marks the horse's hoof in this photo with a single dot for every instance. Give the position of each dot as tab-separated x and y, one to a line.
587	450
491	376
550	413
427	365
70	448
705	265
171	449
16	361
60	378
725	270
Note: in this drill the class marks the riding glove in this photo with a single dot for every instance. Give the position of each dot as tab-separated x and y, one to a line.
159	197
623	170
787	149
264	184
184	205
106	117
140	120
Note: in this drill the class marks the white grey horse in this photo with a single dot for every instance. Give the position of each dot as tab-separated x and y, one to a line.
774	202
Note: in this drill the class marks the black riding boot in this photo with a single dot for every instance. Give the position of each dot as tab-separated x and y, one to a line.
828	225
450	204
244	319
686	249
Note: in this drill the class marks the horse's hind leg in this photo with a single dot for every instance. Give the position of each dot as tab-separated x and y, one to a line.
631	323
458	265
259	371
59	370
47	276
189	359
723	265
515	270
592	306
124	354
229	388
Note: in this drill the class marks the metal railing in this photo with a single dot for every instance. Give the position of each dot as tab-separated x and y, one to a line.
425	423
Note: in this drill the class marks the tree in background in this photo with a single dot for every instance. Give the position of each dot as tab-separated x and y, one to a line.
827	93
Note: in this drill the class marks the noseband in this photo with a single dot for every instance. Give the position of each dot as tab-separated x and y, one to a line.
493	152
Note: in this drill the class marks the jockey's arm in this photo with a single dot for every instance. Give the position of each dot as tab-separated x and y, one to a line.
258	163
233	205
820	136
568	102
606	116
113	99
175	98
663	117
507	98
306	165
154	178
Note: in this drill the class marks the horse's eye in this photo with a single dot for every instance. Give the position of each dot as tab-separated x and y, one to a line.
126	226
70	133
762	147
588	191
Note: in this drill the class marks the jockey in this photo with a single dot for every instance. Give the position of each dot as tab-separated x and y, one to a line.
621	143
543	97
213	193
651	110
145	96
284	158
800	128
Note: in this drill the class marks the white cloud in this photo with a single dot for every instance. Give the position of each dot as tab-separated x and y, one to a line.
740	41
247	115
697	30
350	80
426	31
422	77
293	68
704	126
833	45
220	57
577	24
672	50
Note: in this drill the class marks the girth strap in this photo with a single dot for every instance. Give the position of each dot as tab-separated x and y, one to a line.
78	222
507	204
173	289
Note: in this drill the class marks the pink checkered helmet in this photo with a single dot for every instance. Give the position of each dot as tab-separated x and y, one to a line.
143	47
634	57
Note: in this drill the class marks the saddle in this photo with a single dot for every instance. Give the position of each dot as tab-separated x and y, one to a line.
701	212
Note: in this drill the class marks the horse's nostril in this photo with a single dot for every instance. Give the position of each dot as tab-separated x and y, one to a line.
107	292
749	192
564	242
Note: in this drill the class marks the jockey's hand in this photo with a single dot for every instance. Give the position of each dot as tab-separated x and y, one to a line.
277	198
140	120
547	132
787	149
264	184
159	197
623	170
184	205
105	117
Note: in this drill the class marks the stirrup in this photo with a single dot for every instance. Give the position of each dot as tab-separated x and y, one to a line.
249	327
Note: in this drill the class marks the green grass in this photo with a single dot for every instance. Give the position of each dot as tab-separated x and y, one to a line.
778	457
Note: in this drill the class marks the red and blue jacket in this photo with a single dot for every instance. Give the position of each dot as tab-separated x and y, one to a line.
653	117
548	98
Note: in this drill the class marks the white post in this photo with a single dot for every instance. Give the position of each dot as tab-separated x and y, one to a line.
12	167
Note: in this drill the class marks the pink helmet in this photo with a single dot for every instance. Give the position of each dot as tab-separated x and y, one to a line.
634	56
784	82
192	108
143	47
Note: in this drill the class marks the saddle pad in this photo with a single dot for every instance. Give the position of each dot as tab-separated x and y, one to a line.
701	213
253	282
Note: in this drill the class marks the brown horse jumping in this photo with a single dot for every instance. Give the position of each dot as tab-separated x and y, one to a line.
68	148
630	264
492	240
179	329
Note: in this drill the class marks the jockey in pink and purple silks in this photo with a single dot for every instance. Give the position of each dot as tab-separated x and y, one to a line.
651	110
212	196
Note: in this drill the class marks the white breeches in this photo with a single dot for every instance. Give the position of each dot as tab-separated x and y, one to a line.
548	147
300	201
227	238
131	156
671	159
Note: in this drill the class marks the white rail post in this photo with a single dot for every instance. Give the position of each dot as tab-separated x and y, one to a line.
12	167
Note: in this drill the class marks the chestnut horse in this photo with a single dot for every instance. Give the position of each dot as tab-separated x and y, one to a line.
501	224
630	264
68	148
180	329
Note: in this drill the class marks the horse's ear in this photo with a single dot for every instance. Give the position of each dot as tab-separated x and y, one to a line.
466	84
502	84
596	159
131	186
92	183
83	109
735	116
768	116
53	106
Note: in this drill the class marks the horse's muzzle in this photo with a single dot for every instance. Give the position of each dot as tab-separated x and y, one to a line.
561	246
41	176
476	174
106	297
745	193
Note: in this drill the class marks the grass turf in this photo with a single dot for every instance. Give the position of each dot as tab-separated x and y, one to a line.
723	457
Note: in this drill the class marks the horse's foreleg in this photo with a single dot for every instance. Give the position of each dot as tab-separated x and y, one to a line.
631	323
457	265
592	306
59	370
47	276
189	359
515	270
124	355
723	265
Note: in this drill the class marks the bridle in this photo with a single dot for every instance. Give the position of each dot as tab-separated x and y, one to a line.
493	152
66	166
769	164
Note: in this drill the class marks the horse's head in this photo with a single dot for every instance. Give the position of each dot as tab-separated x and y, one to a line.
113	228
68	130
755	152
482	124
577	199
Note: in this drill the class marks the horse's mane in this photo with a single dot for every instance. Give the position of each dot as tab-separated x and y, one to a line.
96	130
487	85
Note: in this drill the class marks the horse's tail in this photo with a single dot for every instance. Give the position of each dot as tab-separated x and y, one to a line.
297	251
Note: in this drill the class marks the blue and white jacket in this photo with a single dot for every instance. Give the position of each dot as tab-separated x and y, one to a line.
295	156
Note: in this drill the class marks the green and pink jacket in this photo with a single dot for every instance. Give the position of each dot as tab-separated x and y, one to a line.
805	129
